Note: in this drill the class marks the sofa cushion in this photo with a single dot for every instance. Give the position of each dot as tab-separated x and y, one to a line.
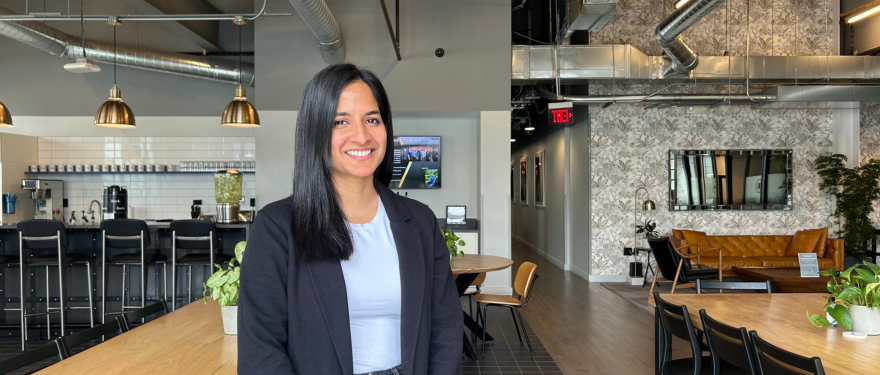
805	241
791	262
750	246
823	242
698	238
729	262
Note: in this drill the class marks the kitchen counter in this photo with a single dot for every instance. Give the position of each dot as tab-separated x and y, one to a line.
151	224
471	225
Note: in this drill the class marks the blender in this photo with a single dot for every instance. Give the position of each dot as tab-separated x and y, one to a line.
227	192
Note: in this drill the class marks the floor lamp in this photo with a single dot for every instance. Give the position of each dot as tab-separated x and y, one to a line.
647	205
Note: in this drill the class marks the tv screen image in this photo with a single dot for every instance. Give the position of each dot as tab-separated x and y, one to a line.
416	163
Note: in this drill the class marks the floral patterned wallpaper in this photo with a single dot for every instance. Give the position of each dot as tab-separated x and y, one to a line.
869	141
630	142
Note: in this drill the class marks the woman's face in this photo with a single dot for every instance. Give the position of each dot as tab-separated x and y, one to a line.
359	139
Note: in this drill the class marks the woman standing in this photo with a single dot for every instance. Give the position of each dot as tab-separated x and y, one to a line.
344	276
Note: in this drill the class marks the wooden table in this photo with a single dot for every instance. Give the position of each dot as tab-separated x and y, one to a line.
187	341
781	319
466	269
785	280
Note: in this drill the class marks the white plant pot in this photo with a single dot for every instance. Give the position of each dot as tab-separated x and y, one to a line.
230	319
865	319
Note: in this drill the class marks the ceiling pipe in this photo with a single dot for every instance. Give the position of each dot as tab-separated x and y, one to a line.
668	34
318	18
58	43
668	98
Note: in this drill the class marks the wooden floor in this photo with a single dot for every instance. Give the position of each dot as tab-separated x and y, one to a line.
586	328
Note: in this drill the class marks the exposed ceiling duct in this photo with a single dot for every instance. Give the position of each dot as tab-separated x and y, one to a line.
590	15
318	18
624	63
668	33
58	43
672	99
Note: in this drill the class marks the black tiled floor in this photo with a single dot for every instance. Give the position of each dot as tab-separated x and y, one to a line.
505	355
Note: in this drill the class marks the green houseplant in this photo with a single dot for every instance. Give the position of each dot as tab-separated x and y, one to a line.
648	229
452	243
224	289
855	299
855	190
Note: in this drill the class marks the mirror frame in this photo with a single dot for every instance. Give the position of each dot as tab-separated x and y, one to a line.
735	207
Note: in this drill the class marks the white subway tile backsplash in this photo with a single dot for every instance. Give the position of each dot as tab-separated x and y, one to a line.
152	196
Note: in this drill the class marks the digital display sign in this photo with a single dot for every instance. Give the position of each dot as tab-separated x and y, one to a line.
560	113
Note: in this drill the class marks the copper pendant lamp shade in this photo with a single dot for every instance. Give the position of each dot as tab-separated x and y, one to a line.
114	113
240	113
5	117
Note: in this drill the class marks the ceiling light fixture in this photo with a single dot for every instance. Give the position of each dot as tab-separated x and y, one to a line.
5	117
530	127
240	113
512	140
863	15
114	113
681	3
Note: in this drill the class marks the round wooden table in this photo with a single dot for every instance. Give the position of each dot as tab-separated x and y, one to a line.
466	269
476	264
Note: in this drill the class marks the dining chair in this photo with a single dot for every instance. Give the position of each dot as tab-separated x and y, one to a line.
66	343
30	357
522	286
728	346
158	308
773	360
470	293
674	263
734	285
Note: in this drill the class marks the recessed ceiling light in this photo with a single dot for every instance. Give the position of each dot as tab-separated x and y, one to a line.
512	140
681	3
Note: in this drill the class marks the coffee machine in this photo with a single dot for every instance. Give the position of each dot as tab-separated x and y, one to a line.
48	196
115	202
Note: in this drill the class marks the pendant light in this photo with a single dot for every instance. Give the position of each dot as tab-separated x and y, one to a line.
114	113
5	117
240	113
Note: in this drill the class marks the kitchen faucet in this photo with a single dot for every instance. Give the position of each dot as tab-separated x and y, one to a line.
90	208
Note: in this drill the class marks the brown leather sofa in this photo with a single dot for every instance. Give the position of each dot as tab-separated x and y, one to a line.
764	251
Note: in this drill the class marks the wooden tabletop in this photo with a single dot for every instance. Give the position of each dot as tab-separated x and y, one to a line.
187	341
781	319
471	263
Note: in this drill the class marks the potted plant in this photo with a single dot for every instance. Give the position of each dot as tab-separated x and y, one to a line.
855	190
648	229
855	299
224	290
452	243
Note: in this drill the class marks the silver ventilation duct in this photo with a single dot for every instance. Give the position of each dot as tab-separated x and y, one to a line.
318	18
668	33
590	15
58	43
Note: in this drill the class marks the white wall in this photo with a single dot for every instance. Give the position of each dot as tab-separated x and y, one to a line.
494	196
542	229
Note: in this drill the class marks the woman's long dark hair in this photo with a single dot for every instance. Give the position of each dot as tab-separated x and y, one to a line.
319	229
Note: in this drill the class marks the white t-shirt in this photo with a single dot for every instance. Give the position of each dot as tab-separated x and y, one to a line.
372	282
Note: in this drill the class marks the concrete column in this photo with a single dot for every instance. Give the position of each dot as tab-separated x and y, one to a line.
494	196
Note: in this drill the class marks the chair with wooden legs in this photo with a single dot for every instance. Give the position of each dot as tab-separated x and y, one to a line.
522	286
674	263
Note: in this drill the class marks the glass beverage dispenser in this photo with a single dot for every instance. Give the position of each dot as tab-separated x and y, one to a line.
227	192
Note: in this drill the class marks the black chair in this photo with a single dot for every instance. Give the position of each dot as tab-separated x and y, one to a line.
30	357
47	241
66	343
676	321
159	308
734	285
128	234
775	361
676	266
728	345
196	236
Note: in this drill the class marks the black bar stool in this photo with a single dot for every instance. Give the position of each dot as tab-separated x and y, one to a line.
47	241
198	235
8	261
128	234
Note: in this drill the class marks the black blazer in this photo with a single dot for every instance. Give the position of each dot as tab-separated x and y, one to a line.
293	316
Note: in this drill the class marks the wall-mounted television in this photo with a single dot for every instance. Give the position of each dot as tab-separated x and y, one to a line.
730	180
416	163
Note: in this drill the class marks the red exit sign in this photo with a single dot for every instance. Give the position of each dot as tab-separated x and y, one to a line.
561	113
